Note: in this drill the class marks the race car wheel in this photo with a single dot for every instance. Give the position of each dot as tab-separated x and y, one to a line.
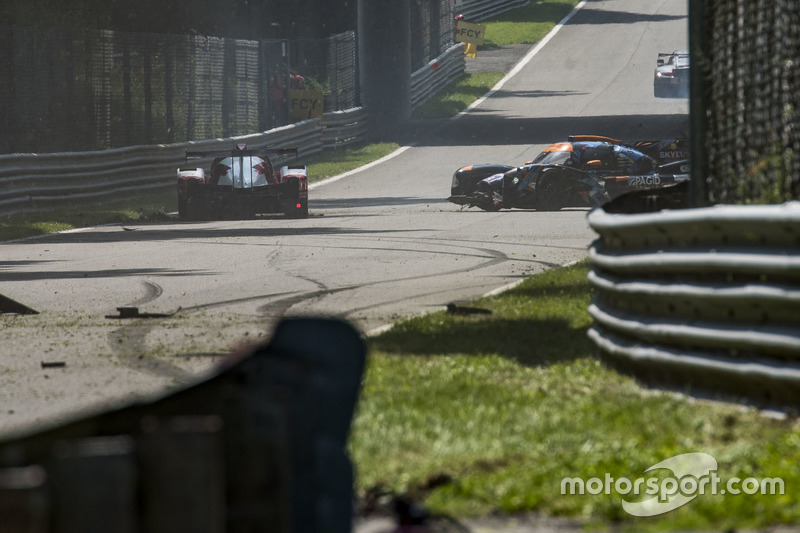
189	203
299	212
183	214
188	208
548	193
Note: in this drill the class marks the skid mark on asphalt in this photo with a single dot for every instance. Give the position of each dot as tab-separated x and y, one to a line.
152	292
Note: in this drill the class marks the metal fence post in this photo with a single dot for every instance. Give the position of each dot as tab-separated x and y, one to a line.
94	485
698	49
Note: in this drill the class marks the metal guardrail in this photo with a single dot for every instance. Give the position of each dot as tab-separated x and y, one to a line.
437	74
38	182
702	299
259	446
342	128
476	10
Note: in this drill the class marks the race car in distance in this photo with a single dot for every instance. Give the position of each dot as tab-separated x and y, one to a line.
241	183
671	77
588	170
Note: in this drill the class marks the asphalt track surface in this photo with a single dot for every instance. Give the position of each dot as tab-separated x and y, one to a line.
380	244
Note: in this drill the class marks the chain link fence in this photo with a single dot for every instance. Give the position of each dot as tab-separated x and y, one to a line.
750	67
93	89
432	30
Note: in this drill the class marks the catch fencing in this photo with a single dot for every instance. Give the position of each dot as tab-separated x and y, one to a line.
69	90
432	30
706	300
433	24
747	101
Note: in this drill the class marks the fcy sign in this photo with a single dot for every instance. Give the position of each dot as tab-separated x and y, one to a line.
467	32
306	104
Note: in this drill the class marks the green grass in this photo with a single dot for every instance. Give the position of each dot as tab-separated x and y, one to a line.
457	96
333	163
525	25
143	208
483	415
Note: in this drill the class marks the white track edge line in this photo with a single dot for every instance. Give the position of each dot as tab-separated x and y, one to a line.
525	60
359	169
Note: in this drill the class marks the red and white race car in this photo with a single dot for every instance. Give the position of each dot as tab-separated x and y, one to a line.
242	183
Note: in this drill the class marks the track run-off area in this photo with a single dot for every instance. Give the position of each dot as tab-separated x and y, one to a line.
380	244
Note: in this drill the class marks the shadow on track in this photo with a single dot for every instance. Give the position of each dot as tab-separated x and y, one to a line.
477	129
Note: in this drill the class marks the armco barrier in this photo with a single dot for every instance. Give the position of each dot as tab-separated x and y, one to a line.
38	182
706	300
476	10
259	446
437	74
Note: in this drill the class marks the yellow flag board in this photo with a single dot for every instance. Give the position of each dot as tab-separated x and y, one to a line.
467	32
471	50
305	104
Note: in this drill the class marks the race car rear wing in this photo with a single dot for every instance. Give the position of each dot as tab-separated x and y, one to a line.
241	151
661	57
598	138
632	144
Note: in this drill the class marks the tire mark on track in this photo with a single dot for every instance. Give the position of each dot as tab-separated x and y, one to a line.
152	292
496	257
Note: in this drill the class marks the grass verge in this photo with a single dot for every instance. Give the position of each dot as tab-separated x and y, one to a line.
457	96
525	25
487	414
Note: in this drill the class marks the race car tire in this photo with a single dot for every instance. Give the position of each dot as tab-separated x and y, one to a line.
189	203
658	91
298	212
548	194
183	213
188	208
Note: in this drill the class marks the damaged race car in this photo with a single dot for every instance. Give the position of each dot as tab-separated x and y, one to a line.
242	183
587	171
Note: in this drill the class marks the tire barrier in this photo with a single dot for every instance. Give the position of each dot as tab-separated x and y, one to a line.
259	446
704	300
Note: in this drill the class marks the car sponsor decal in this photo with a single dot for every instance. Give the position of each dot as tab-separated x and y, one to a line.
673	154
644	182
